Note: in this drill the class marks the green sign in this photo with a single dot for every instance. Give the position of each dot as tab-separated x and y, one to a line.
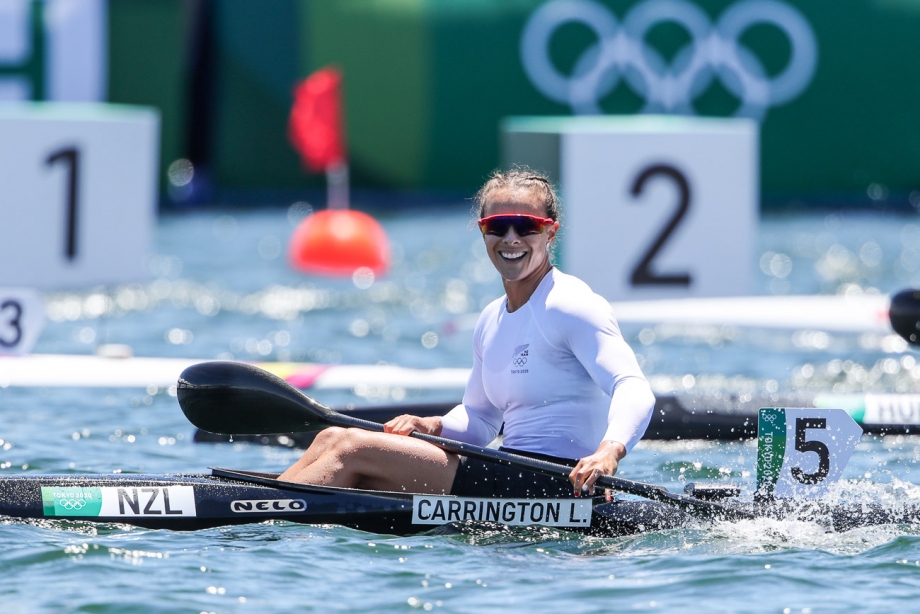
71	501
29	69
428	82
771	449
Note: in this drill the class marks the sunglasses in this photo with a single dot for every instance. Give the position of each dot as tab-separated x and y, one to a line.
523	225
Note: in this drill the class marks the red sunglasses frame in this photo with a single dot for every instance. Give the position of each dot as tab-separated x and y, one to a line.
524	225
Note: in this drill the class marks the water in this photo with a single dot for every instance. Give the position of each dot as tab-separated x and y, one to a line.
221	289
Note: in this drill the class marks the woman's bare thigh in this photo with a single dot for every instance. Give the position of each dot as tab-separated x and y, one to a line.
382	461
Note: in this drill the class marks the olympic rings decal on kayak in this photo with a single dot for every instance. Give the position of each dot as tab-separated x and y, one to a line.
714	52
72	504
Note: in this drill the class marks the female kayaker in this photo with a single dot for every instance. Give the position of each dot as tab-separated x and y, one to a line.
549	362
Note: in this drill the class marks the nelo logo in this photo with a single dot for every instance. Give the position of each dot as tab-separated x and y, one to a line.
268	505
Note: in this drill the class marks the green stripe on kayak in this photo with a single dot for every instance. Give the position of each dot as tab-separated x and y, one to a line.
71	501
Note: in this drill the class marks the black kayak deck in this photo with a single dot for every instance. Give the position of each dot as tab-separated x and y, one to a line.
229	497
184	502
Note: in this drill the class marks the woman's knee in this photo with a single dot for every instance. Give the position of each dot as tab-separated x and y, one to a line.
341	441
327	437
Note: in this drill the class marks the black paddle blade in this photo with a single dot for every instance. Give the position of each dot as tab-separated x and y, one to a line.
905	315
232	398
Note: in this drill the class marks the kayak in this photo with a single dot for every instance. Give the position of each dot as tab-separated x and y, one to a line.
725	418
239	399
183	502
731	417
186	502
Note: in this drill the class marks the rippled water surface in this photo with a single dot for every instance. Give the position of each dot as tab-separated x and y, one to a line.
220	288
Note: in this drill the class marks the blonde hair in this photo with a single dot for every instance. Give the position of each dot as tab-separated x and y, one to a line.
518	178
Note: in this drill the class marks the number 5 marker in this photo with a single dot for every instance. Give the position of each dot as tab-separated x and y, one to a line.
800	452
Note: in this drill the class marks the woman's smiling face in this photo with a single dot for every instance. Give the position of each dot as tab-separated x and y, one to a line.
518	258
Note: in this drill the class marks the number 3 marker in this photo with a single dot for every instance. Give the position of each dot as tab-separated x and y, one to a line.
22	316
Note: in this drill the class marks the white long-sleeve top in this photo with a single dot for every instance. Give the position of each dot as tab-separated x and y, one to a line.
557	372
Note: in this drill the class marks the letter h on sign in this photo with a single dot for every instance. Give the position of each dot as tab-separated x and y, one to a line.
23	45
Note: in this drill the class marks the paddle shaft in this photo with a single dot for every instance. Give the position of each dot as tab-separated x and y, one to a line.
690	505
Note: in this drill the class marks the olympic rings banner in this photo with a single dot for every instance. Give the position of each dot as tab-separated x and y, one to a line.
714	51
833	85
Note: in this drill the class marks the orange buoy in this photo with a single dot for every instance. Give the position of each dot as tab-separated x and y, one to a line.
337	242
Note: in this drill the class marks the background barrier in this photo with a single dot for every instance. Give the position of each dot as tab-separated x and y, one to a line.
427	83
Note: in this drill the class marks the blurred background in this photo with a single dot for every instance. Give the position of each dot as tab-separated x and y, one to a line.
427	82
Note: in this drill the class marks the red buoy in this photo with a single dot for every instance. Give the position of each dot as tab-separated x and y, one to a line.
337	242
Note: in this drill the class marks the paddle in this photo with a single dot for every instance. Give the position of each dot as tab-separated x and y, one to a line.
238	399
904	314
376	413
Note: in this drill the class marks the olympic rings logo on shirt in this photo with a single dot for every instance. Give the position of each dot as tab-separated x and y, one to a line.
714	52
